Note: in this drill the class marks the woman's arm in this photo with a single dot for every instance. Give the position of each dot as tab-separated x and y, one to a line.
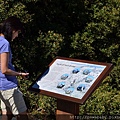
4	66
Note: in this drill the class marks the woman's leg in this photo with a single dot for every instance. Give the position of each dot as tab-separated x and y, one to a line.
7	115
4	115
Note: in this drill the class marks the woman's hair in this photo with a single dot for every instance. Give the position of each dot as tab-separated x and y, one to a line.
9	25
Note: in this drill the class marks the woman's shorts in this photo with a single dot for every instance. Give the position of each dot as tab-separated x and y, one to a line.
12	100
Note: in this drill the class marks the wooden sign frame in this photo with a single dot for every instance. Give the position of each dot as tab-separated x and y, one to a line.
71	79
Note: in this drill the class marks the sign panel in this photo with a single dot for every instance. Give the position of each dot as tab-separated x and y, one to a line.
71	79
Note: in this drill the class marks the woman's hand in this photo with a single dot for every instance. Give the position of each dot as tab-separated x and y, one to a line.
24	75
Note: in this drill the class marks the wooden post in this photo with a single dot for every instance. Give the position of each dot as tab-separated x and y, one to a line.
66	110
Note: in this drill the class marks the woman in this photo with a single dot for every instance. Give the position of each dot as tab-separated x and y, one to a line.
12	102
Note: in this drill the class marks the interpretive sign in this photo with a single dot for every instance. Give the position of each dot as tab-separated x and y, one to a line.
71	79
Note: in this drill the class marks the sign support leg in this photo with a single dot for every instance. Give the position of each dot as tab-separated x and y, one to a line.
66	110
